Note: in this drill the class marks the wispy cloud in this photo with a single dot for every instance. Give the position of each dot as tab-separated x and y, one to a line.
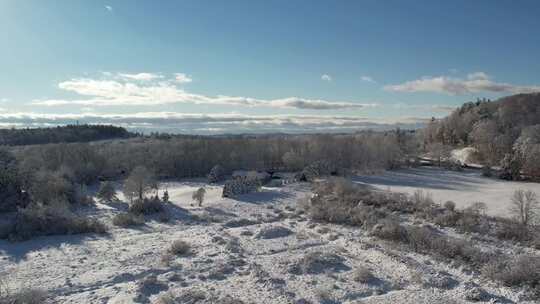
140	76
2	100
326	77
214	123
367	79
475	82
182	78
125	92
108	8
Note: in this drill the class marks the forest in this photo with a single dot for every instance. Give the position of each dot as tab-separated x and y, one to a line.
506	133
61	134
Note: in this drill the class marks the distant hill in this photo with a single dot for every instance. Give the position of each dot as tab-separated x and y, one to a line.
61	134
504	131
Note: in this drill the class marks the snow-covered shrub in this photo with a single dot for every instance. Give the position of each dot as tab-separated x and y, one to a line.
217	174
316	170
240	185
55	219
146	206
127	219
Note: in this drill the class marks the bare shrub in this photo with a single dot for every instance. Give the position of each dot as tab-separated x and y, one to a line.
146	206
423	201
519	271
37	220
325	295
390	229
525	206
362	275
24	296
180	247
127	219
150	285
318	262
273	232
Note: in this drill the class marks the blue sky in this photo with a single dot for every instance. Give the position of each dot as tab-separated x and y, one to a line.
260	66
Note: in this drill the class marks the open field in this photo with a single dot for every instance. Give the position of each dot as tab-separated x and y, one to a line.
463	188
255	249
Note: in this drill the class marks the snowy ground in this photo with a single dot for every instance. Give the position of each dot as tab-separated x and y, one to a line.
463	188
230	259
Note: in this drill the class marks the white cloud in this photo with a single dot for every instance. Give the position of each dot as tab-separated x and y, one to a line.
108	8
326	77
182	78
122	92
214	123
3	100
139	76
475	82
367	79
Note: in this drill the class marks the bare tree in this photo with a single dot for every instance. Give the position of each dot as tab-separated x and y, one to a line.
199	196
139	182
525	206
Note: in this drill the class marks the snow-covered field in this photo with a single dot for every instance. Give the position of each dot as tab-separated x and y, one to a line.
463	188
246	261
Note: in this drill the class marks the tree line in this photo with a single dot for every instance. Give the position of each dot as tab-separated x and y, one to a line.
61	134
61	171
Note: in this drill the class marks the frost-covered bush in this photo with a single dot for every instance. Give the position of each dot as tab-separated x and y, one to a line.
146	206
241	185
36	220
316	170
